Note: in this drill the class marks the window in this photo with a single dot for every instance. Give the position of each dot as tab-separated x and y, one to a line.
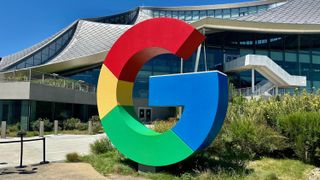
175	14
304	58
168	14
243	11
316	59
252	9
181	15
218	13
211	13
226	13
203	14
188	16
290	56
276	55
162	14
195	15
234	12
262	8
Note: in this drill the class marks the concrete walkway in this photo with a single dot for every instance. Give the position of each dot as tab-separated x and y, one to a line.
56	146
63	171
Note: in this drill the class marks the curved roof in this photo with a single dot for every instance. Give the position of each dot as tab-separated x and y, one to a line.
292	12
94	37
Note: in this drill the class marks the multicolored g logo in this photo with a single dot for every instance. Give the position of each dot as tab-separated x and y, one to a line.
204	95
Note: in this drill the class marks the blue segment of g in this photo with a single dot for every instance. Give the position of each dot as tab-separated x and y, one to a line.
204	97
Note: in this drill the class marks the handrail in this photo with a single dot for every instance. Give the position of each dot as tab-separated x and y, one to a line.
21	148
53	80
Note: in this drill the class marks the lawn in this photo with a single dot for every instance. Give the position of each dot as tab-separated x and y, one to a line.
266	168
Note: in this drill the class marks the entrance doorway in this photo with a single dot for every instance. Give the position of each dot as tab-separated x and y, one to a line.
145	114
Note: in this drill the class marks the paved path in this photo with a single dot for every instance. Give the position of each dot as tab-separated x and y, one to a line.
57	148
60	171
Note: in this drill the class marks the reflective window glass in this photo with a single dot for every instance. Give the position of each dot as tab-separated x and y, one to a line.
243	11
226	13
175	14
188	16
181	15
290	56
262	8
252	9
168	14
203	14
316	59
211	13
195	15
162	14
276	55
218	13
235	12
304	58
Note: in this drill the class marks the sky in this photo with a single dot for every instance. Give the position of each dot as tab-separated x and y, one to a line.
24	23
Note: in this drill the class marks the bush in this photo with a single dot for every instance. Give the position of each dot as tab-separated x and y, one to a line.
48	126
13	128
71	124
162	126
303	131
101	146
73	157
96	124
82	126
245	139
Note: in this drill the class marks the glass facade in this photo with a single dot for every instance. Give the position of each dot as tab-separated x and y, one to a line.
25	112
297	54
125	18
46	53
195	15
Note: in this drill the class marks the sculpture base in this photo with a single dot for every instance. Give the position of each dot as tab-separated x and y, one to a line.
146	169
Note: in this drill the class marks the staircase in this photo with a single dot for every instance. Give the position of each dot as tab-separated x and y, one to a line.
275	75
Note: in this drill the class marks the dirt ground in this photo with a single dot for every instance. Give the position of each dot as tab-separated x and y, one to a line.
58	171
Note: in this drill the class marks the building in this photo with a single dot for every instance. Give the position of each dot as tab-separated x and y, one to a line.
266	47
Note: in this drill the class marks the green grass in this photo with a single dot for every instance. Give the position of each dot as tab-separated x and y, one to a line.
266	168
280	168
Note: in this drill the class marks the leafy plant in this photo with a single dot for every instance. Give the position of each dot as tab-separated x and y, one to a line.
48	126
101	146
303	131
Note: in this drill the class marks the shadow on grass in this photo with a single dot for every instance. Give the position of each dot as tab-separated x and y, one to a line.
199	163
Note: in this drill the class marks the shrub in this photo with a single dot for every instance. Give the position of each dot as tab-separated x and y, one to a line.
303	131
13	128
243	139
101	146
71	124
164	125
82	126
73	157
96	124
48	126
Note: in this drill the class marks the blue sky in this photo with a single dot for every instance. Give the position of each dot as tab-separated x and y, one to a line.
26	22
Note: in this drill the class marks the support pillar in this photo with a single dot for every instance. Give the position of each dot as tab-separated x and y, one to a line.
56	127
196	66
90	127
41	129
3	129
277	90
252	81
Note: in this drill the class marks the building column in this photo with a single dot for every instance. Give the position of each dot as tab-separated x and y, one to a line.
196	65
24	119
252	81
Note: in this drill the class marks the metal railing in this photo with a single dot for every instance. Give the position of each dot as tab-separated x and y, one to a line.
21	141
53	80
